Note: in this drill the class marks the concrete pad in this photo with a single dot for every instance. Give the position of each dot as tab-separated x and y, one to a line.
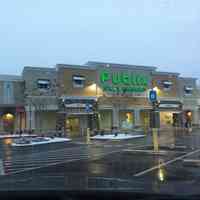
48	141
118	137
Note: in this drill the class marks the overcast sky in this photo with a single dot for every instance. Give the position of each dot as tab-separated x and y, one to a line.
162	33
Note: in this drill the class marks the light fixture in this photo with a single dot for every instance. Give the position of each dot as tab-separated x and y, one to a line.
128	115
9	116
156	88
189	114
93	87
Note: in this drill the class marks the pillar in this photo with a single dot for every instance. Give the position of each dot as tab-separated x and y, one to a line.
137	117
195	117
30	118
115	115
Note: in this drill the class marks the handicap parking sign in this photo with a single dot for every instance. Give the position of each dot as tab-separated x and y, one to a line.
152	96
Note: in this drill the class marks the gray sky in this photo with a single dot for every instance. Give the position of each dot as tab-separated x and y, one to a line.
163	33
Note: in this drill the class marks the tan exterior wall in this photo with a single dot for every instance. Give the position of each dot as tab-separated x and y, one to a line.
65	82
46	121
157	82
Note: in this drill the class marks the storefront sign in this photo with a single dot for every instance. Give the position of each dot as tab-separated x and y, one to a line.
123	82
77	105
169	106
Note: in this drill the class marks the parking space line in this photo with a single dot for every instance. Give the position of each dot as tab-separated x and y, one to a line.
162	152
97	156
166	163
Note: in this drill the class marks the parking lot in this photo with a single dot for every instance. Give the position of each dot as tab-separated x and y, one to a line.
124	165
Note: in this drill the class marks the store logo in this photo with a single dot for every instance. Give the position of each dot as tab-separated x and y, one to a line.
123	82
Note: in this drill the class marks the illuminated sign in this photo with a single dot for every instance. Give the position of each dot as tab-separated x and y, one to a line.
123	82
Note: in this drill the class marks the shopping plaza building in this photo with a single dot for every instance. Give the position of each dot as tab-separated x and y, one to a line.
95	95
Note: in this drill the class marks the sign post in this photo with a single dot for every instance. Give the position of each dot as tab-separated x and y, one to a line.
154	119
88	109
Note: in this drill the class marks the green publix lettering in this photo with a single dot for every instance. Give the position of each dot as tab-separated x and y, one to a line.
125	81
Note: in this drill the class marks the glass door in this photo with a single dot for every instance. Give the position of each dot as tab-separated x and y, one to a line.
73	126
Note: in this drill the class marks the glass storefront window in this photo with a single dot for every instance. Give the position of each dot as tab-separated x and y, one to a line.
144	118
166	118
105	119
126	120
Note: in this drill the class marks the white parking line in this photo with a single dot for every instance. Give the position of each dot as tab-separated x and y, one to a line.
165	163
97	156
161	152
48	157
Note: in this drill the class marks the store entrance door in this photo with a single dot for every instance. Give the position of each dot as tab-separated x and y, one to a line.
73	126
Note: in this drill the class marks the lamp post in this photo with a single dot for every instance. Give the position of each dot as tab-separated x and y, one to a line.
154	118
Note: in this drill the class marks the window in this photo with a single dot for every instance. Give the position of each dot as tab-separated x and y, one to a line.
78	81
188	90
167	85
8	92
43	84
126	120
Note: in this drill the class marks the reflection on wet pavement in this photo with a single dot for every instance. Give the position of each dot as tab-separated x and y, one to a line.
110	170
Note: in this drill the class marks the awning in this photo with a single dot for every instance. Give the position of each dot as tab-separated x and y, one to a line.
79	100
167	105
43	81
79	97
77	105
78	78
188	88
167	83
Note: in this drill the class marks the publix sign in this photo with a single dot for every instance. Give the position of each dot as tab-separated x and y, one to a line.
123	82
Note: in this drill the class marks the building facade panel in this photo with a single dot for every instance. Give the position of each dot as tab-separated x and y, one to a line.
40	98
166	84
96	95
66	82
189	94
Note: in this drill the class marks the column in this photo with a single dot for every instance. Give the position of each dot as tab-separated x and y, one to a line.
30	118
17	121
1	123
115	115
33	119
195	116
137	117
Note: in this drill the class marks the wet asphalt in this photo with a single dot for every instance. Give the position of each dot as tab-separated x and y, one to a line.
127	165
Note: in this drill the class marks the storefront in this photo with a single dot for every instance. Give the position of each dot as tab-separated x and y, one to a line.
79	113
105	96
125	94
145	119
105	119
126	119
12	118
170	114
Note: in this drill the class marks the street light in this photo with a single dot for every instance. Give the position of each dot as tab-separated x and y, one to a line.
156	89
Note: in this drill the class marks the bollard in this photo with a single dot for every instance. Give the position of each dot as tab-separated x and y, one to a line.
155	139
88	136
